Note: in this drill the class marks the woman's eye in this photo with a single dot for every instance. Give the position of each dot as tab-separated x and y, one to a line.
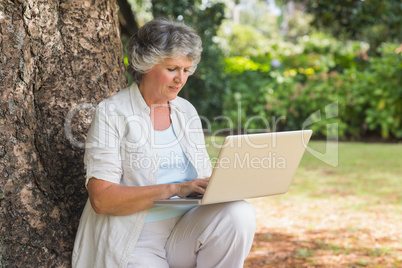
175	69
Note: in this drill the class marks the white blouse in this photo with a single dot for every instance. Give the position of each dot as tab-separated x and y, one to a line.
120	148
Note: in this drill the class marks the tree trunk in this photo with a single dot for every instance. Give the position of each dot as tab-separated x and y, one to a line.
58	59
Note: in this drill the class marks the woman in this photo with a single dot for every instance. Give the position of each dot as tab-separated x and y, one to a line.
146	144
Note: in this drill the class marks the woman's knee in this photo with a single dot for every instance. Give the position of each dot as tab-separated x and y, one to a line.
242	216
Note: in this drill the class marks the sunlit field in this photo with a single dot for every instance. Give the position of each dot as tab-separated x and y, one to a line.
344	216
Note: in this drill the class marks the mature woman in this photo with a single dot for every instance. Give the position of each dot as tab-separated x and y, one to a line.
146	144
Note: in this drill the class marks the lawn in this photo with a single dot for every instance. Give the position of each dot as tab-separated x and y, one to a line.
344	216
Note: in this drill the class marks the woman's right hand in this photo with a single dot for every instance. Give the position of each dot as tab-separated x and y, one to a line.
184	189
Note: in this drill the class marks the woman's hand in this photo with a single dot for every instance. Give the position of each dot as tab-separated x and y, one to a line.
184	189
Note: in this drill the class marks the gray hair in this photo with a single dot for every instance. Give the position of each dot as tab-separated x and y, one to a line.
160	39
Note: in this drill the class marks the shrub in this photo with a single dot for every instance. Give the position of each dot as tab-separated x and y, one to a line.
368	96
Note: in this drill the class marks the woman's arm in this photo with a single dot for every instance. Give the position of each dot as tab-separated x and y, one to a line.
111	198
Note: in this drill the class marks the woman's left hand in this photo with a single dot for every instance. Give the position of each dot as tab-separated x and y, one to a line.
184	189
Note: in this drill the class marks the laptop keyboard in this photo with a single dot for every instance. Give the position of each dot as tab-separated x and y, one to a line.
194	196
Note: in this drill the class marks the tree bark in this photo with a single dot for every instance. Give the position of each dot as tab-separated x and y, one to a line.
58	59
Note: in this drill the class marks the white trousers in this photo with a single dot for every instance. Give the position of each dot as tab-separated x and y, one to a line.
211	236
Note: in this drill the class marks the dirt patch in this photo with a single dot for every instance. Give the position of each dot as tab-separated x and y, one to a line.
325	233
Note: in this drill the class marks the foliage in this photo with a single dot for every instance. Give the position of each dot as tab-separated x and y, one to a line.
370	20
370	100
296	25
174	9
240	40
257	79
376	93
241	64
323	72
259	15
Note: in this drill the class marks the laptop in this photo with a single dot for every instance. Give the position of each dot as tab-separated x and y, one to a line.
250	166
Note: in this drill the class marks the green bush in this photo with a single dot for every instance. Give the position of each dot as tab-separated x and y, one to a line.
375	94
366	98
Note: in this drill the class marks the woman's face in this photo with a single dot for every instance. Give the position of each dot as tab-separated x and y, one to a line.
165	80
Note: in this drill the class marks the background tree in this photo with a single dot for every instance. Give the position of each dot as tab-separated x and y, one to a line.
369	20
128	22
58	59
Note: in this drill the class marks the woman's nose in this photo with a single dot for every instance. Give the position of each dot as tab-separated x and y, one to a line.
179	78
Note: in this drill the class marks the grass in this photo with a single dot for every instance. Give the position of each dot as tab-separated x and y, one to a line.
349	215
370	172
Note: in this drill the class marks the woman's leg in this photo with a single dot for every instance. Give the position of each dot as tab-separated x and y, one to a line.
218	235
149	251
